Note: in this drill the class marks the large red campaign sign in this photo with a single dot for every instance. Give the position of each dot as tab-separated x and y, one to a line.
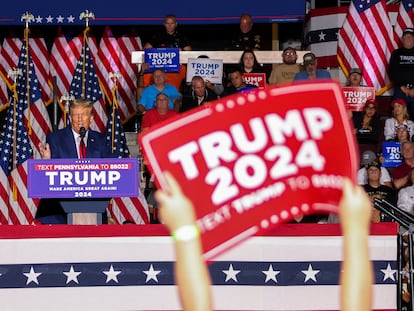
257	159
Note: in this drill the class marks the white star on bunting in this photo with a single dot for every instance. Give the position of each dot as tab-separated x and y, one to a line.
388	273
151	274
72	275
111	275
231	274
32	276
310	274
271	274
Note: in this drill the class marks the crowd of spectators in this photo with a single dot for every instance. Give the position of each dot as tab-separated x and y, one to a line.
370	129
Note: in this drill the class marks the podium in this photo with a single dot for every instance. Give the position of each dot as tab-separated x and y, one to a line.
83	187
84	212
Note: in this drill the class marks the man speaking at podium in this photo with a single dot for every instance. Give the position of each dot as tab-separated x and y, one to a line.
74	141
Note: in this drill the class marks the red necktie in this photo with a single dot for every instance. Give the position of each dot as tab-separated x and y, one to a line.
82	149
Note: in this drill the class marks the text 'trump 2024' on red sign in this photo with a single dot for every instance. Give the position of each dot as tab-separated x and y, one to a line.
254	160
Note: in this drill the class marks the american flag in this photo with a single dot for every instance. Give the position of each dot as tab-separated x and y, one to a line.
128	85
35	120
4	100
125	208
366	40
296	267
85	84
405	18
63	58
41	60
9	58
15	150
114	55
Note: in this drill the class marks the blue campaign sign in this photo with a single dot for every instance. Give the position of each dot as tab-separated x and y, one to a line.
166	58
83	178
391	153
125	12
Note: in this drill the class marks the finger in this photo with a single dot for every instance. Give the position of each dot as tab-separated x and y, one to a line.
172	184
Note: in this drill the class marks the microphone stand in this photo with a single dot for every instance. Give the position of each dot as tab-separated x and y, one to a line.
405	220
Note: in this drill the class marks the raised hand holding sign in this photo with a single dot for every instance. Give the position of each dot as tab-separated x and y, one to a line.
254	160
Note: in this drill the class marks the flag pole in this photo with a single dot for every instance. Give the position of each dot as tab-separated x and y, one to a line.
87	15
27	18
66	98
114	76
14	74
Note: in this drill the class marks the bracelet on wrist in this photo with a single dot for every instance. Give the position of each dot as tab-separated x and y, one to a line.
186	233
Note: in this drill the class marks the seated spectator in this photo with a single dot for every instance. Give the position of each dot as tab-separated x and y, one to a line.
285	72
367	125
406	195
238	84
151	117
375	190
159	113
355	77
148	96
311	71
400	173
217	88
403	133
400	116
248	63
362	178
199	95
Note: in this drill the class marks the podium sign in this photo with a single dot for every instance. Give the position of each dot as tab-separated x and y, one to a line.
253	160
83	178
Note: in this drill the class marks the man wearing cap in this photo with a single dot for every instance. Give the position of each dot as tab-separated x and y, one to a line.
285	72
355	77
376	190
311	72
366	158
401	69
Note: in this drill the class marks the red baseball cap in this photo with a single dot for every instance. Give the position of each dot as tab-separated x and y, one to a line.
399	101
371	102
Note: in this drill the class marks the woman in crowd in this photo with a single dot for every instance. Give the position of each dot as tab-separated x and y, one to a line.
399	117
248	64
367	127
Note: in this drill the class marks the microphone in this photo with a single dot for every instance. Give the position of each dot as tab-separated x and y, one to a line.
82	132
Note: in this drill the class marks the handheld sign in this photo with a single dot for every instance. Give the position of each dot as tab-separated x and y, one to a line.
258	79
166	58
356	96
254	160
83	178
391	153
210	69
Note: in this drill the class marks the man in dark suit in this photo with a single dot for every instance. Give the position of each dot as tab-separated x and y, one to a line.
67	143
199	94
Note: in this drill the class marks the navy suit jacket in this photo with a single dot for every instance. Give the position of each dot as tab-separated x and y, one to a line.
62	145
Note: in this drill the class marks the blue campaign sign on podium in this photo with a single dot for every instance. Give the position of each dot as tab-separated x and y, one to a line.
83	178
